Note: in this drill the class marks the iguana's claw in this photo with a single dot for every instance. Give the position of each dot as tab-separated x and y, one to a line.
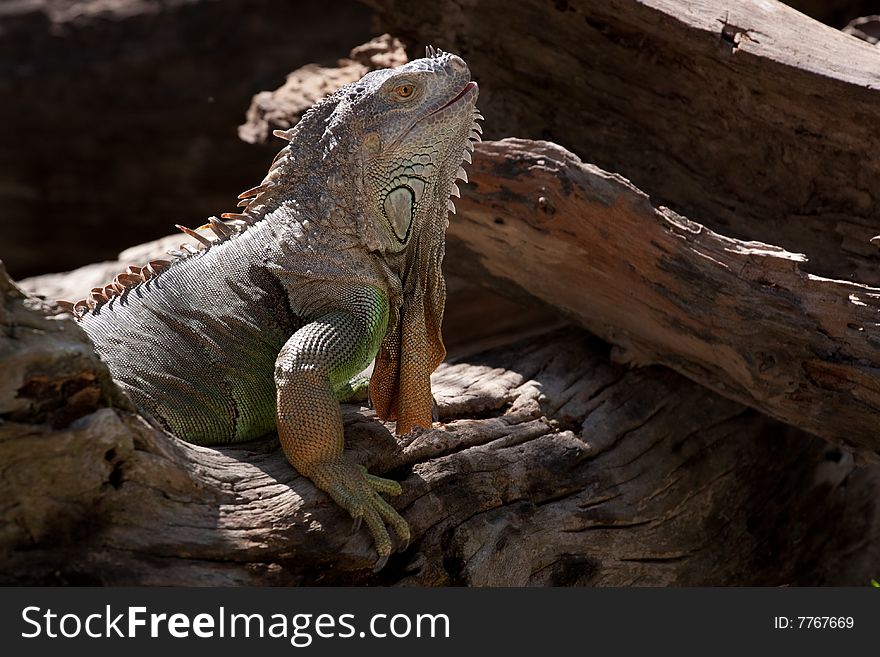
380	563
357	491
356	525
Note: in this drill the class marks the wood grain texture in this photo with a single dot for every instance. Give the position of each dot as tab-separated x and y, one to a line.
552	466
742	318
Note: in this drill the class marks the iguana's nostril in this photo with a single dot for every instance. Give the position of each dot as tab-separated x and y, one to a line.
457	64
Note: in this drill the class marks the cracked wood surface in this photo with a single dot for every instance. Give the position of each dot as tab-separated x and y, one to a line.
552	465
742	318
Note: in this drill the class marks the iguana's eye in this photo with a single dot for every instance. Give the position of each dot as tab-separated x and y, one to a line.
405	90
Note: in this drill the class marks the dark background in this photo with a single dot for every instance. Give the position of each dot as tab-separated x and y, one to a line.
119	117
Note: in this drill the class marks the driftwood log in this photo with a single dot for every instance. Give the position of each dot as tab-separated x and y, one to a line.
739	317
552	466
561	458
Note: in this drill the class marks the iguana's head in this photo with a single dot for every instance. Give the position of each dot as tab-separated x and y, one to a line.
410	127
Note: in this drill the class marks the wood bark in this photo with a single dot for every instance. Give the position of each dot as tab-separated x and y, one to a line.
553	466
740	317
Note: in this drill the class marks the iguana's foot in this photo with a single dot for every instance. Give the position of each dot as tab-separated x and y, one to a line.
357	491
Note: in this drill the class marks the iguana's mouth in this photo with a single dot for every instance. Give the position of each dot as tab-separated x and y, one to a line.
470	89
461	94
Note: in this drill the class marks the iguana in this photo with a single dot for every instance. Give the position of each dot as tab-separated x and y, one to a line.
334	261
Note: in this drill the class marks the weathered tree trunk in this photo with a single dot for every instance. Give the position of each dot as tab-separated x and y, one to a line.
552	466
739	317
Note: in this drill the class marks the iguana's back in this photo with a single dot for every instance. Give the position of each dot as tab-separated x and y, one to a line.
196	347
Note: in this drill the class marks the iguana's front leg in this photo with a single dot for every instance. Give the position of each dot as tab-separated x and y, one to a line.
312	367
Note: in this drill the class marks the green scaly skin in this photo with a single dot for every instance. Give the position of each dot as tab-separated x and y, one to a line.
314	366
335	261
